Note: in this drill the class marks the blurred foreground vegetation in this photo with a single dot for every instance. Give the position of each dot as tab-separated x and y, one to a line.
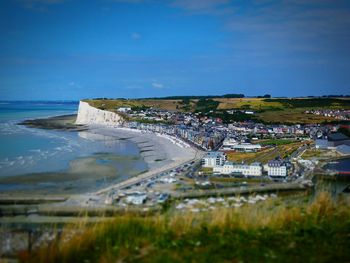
271	231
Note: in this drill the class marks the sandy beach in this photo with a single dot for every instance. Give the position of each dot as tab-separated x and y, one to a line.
161	153
88	175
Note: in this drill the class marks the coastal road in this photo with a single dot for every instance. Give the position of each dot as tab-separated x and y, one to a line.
148	175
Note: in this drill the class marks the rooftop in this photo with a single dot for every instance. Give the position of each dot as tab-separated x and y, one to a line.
337	137
215	154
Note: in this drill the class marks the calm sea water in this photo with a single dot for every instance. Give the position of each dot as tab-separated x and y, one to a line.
28	150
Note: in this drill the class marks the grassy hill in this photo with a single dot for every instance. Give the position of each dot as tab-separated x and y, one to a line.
268	110
297	230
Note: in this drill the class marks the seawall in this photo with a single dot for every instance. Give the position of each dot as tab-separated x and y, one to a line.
90	115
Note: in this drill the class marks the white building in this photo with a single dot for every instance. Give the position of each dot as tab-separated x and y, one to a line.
213	159
136	199
124	109
247	147
276	168
232	144
254	169
228	144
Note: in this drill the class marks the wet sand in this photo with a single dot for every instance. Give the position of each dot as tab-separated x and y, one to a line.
64	122
83	175
100	171
161	154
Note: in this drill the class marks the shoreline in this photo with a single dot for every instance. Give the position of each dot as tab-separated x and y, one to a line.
167	150
159	152
59	122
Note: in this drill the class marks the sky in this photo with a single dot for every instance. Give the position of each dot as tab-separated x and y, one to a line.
71	49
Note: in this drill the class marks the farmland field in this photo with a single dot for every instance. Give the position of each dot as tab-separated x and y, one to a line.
265	155
287	111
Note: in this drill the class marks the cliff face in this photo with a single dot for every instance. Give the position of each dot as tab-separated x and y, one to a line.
91	115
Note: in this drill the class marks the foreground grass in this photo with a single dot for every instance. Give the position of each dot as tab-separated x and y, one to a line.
309	232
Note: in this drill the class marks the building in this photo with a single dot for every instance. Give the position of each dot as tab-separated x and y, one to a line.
231	144
247	147
321	144
136	199
254	169
343	149
228	144
334	140
276	168
213	159
124	109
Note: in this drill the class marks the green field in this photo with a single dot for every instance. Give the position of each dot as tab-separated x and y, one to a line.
282	150
275	142
250	181
288	111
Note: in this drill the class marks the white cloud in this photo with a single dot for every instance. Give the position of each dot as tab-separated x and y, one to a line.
199	4
135	36
44	2
39	5
214	7
74	85
158	85
130	1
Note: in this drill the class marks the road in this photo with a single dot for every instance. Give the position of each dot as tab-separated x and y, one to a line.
148	175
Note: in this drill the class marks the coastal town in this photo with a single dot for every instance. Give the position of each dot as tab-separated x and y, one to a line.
196	162
177	131
193	162
233	158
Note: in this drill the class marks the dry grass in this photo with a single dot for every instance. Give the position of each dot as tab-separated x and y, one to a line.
112	105
300	230
252	103
244	157
273	111
294	115
266	154
319	154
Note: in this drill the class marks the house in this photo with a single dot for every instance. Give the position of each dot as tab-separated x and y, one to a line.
254	169
228	144
276	168
247	147
213	159
124	109
232	144
136	199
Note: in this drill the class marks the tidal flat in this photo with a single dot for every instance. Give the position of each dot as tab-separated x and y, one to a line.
64	122
83	175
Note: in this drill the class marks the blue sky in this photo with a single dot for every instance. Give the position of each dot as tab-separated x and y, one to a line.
71	49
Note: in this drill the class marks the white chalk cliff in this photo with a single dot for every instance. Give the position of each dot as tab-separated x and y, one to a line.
90	115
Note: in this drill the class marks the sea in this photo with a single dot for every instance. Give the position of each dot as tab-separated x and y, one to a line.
31	151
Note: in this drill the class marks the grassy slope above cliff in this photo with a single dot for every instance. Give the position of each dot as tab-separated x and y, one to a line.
269	232
268	110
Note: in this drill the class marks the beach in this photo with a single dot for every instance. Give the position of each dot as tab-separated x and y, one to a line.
160	152
139	155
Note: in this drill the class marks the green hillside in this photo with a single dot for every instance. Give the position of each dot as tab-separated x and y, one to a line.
268	110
